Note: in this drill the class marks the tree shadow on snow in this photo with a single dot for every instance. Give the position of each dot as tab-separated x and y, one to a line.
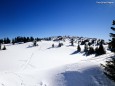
86	54
70	45
89	77
49	48
30	46
75	52
52	47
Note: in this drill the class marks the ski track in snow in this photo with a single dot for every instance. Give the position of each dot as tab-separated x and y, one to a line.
27	63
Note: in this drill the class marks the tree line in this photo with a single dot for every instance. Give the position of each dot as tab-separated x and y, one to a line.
18	39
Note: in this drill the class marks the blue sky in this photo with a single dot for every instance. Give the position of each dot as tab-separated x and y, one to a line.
43	18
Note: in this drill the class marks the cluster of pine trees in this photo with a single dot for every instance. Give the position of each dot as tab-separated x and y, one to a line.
5	41
88	49
24	39
18	39
88	46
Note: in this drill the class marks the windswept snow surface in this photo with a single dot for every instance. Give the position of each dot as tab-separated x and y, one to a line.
24	65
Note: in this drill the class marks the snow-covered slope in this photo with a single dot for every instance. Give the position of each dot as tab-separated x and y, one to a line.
24	65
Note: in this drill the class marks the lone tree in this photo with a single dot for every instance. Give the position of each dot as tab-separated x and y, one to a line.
72	40
0	46
34	43
60	44
109	67
52	45
78	48
4	48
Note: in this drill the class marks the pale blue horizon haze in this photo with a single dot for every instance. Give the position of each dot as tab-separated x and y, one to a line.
44	18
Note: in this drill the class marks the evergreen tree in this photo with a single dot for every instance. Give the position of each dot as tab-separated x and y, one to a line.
60	44
113	23
72	40
28	39
32	39
4	48
92	41
82	42
35	43
52	45
85	48
90	51
38	39
112	43
13	41
101	50
89	43
98	42
102	42
96	51
5	41
109	69
25	39
8	40
0	46
1	41
78	48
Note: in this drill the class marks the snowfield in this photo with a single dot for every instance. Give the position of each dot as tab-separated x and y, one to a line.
24	65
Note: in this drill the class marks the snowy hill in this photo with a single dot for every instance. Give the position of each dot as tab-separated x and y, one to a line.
24	65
